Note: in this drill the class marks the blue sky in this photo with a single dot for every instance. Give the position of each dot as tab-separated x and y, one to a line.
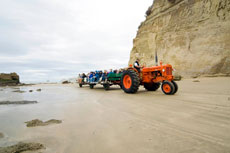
53	40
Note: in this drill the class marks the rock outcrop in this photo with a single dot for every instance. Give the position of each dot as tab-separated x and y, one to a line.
38	122
22	147
9	79
192	35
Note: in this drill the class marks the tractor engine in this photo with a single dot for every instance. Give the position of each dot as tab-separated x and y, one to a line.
157	74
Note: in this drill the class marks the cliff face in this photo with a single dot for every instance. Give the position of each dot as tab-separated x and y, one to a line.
9	79
192	35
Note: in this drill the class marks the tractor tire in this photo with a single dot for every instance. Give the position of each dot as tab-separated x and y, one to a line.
151	86
91	86
168	88
106	86
130	81
175	86
80	85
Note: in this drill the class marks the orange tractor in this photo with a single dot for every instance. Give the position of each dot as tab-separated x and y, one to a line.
151	78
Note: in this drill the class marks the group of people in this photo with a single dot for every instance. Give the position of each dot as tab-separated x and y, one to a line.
98	76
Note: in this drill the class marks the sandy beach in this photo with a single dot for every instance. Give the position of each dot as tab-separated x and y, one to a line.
194	120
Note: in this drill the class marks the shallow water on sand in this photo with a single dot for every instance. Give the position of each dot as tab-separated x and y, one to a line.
51	101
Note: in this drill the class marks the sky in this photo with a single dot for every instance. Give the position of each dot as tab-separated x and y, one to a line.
52	40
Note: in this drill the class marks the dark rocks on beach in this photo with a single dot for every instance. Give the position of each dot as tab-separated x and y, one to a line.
39	90
196	80
30	90
22	147
19	91
17	102
65	82
38	122
177	77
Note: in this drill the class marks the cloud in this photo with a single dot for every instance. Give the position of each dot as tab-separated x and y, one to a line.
55	39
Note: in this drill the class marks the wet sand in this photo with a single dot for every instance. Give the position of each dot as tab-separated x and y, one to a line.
195	120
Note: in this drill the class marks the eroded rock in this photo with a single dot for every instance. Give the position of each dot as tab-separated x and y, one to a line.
65	82
9	79
22	147
191	35
177	77
19	91
38	122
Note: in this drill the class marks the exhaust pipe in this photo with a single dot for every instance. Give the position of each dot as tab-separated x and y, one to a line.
156	58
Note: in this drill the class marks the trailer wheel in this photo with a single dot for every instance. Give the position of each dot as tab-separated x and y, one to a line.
175	86
91	86
168	88
106	86
151	86
130	81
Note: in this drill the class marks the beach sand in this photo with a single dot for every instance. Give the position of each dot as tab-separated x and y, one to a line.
194	120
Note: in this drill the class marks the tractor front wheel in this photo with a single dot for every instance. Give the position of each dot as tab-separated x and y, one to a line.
151	86
168	88
130	81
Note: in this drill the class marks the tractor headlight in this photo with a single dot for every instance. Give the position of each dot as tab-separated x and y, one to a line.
163	70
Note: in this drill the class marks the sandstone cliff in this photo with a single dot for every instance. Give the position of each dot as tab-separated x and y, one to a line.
192	35
9	79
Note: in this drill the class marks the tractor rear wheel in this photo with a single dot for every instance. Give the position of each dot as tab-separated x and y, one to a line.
168	88
130	81
175	86
151	86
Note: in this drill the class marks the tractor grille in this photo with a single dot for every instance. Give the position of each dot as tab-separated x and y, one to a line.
168	70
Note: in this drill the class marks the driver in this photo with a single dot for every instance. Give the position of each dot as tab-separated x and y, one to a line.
137	65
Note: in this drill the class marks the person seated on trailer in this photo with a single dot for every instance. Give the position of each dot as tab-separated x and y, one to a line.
97	76
91	77
100	76
115	71
87	77
110	72
100	73
83	76
104	75
94	77
79	79
137	65
120	71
